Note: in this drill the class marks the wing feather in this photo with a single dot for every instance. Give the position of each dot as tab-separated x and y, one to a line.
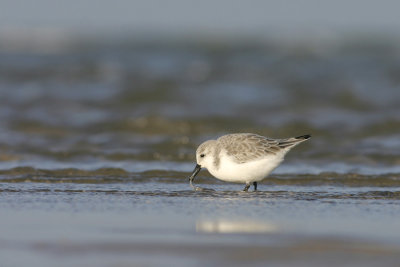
247	147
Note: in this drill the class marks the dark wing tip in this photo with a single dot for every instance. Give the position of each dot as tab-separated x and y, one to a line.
305	137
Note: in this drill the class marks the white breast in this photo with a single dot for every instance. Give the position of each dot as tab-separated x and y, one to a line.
252	171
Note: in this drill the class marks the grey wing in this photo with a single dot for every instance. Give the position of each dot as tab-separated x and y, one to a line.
248	147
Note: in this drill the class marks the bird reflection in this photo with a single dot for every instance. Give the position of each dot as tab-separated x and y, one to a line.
235	226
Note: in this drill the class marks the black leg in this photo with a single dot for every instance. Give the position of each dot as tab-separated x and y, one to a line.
255	186
246	188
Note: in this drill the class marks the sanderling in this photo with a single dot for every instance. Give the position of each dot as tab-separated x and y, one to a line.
243	157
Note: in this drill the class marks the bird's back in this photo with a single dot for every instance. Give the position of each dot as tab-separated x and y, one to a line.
246	147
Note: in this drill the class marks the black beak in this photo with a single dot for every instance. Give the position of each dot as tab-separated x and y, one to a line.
196	170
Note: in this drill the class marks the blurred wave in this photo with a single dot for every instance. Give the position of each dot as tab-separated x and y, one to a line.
97	139
118	175
116	103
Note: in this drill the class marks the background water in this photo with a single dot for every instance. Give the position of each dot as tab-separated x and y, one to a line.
98	138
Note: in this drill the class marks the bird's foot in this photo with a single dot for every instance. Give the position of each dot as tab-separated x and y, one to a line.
255	186
246	188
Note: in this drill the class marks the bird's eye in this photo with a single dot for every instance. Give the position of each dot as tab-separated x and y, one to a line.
202	156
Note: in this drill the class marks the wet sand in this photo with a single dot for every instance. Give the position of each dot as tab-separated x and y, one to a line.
157	223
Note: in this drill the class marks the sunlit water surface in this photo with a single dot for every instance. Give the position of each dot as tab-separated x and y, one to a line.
97	141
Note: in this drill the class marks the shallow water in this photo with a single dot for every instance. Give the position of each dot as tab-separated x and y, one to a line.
150	223
97	141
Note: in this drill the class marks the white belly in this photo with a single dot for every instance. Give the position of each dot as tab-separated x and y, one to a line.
253	171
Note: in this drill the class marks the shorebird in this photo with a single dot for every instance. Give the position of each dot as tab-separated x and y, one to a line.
243	157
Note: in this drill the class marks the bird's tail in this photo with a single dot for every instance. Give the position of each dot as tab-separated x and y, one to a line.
303	137
290	142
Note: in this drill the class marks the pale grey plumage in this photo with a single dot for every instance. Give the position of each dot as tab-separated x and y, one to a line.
243	157
245	147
